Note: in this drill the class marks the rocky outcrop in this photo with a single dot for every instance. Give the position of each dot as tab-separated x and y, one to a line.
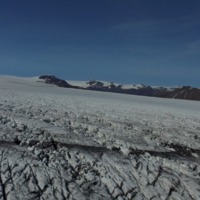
185	92
50	79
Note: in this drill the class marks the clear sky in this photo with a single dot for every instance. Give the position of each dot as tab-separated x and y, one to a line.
155	42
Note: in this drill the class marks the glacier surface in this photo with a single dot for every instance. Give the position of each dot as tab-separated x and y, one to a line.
58	143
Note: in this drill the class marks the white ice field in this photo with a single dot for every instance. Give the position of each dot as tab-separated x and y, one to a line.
58	143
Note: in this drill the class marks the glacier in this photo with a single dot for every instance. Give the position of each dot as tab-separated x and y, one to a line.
61	143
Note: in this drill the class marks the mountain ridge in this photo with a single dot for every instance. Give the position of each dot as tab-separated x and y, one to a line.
183	92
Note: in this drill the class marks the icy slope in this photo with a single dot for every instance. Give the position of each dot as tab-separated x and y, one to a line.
58	143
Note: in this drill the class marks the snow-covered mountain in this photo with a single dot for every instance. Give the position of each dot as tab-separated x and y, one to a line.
65	143
184	92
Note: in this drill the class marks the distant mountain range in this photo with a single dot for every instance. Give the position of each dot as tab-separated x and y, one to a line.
183	92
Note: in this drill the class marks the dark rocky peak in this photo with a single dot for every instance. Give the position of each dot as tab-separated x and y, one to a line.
50	79
94	83
185	92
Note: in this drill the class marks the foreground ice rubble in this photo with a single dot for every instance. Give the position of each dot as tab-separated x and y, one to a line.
68	144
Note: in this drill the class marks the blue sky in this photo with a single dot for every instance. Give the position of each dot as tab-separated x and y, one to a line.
128	41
